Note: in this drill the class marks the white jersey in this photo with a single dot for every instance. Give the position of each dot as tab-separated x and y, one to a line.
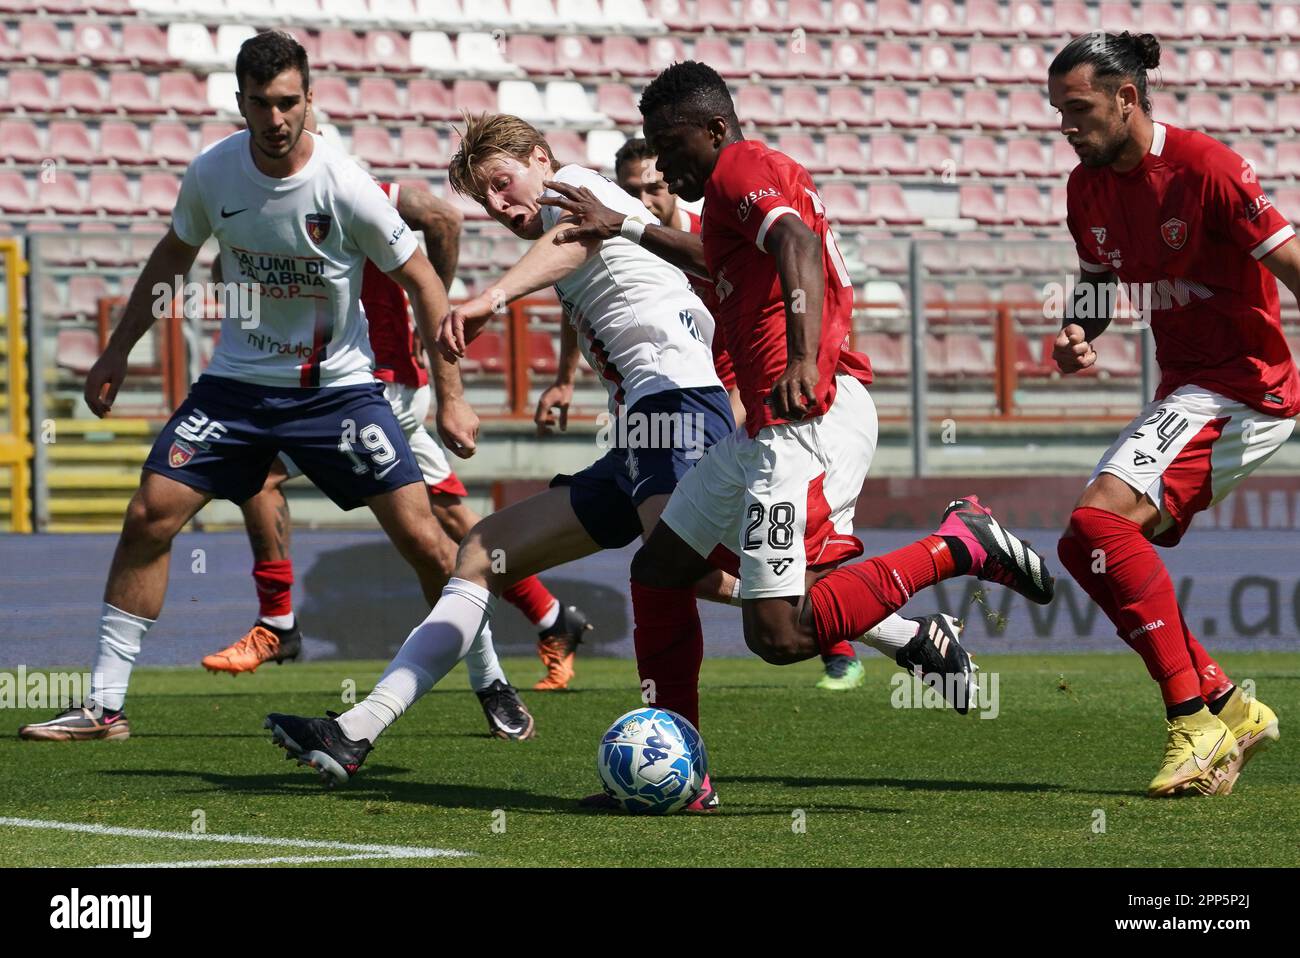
639	324
301	242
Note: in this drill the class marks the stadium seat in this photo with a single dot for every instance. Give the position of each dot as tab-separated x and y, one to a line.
1119	356
977	201
421	147
230	36
374	145
342	50
895	60
481	53
39	39
842	203
9	51
979	154
578	56
580	14
800	148
1201	19
761	57
983	108
93	43
989	18
1024	204
629	15
521	98
938	106
398	13
171	142
1206	64
618	102
432	50
568	146
1167	108
30	90
852	15
1286	21
485	354
889	154
128	92
990	61
120	142
808	14
566	101
845	104
1287	164
1029	60
754	105
210	133
887	203
61	194
1205	112
1029	365
1029	17
1256	154
542	358
533	54
76	349
1071	18
536	15
386	50
1173	69
1030	109
601	147
15	193
940	61
428	99
184	93
898	16
844	153
345	11
378	97
941	17
332	96
1025	155
1116	16
22	140
1064	159
110	193
969	354
888	353
718	14
1287	61
717	52
1251	68
1056	206
145	45
158	192
191	43
936	155
664	51
891	106
849	59
625	56
1288	111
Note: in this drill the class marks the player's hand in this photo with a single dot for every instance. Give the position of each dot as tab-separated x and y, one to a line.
458	427
1071	351
592	219
461	326
794	390
556	397
103	382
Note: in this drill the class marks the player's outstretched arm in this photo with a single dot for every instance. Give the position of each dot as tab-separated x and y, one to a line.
170	259
1073	350
557	397
798	254
1284	263
440	222
593	220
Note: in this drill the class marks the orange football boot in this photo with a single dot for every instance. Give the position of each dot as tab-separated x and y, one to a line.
259	645
557	647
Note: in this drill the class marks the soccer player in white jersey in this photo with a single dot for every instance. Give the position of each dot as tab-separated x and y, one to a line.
647	336
296	220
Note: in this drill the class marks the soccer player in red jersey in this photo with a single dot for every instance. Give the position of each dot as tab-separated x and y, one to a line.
635	171
775	499
1178	219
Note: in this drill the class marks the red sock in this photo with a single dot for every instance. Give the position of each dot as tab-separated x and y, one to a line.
1145	606
843	647
852	599
531	598
669	647
1078	561
1214	681
274	582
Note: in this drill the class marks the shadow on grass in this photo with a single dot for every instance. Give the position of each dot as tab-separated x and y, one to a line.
911	784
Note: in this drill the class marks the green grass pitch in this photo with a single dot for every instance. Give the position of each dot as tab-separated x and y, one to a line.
805	777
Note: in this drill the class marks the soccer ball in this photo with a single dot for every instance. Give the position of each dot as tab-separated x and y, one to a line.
652	761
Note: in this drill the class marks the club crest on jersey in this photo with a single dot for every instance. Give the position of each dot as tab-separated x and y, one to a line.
318	226
1175	233
1100	233
181	453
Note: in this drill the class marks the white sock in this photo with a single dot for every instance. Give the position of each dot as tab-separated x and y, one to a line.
482	663
551	617
891	634
120	634
431	651
278	621
735	592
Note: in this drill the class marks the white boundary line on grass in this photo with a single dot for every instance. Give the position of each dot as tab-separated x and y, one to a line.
364	851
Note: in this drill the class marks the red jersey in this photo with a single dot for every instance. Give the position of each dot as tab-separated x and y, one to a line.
704	290
393	340
1191	224
751	187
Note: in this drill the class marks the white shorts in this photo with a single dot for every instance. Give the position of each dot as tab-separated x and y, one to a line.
781	501
411	407
1189	450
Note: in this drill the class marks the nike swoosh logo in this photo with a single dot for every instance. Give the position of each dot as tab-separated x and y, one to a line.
640	484
380	475
1204	765
225	215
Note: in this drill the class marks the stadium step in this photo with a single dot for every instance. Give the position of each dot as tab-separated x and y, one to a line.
94	467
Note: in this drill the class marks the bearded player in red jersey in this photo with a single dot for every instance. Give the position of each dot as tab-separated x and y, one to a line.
400	365
1180	217
636	173
776	498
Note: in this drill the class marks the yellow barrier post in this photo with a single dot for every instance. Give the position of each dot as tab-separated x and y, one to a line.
15	448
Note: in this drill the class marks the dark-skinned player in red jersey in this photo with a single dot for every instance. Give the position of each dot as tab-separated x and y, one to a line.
636	172
775	500
1178	219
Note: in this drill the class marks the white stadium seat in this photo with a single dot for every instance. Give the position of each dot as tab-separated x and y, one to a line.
580	13
432	50
630	15
442	13
191	43
601	147
396	12
480	52
230	36
522	98
567	100
536	14
345	11
221	92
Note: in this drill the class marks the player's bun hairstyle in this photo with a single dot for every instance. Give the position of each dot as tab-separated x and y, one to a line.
264	57
1115	58
691	91
634	149
487	135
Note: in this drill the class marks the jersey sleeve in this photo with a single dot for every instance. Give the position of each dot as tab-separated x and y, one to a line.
377	228
608	192
1238	208
1088	261
190	217
754	195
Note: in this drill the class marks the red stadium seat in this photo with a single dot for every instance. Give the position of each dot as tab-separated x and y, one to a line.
378	97
674	14
22	141
1028	17
663	51
185	93
128	92
718	53
1024	204
332	96
1286	21
891	106
70	142
1025	155
15	193
387	50
1030	109
1027	364
542	357
938	106
940	16
40	40
1202	20
145	45
979	154
30	90
969	354
889	154
568	147
1071	18
1205	64
61	194
158	192
618	102
895	60
847	104
936	155
9	51
763	58
849	58
899	16
989	18
84	294
887	202
1173	69
1056	205
374	145
990	61
533	54
940	61
210	133
1166	108
806	13
1287	61
578	55
1255	153
81	91
888	353
800	148
625	56
852	15
842	203
800	104
93	42
1205	111
1064	159
76	349
754	105
764	16
110	193
977	201
936	358
984	108
342	50
422	147
1287	164
1029	60
1251	68
844	153
1116	16
1119	356
807	60
120	142
431	99
486	354
718	14
171	142
1288	111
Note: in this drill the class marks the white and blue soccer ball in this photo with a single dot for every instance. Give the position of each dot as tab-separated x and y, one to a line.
652	761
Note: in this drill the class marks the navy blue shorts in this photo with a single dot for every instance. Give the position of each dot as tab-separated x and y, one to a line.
653	445
224	437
